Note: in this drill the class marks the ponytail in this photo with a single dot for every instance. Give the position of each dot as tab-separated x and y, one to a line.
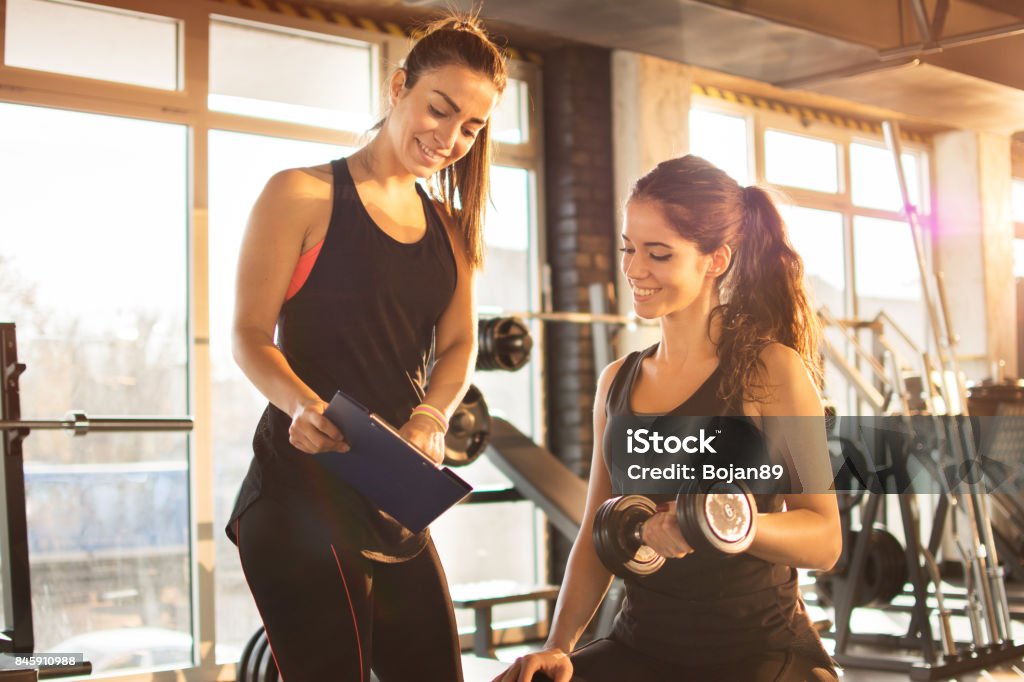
766	301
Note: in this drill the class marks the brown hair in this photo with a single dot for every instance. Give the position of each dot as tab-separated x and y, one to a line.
763	299
465	183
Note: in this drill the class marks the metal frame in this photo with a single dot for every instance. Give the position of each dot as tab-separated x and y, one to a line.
19	634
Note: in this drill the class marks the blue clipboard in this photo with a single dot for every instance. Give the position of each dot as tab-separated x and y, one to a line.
388	470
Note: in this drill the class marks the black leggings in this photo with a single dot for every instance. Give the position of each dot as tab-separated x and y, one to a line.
609	661
332	614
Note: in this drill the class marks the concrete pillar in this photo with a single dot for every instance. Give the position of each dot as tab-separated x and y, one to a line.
974	246
650	114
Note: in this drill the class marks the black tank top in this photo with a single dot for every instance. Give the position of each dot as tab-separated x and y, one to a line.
708	609
363	322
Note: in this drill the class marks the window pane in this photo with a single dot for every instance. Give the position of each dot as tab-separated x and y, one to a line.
473	552
80	39
511	119
873	178
93	271
886	274
287	76
801	161
506	283
818	237
240	166
722	139
1018	200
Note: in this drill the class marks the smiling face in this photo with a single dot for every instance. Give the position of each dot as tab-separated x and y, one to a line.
434	123
666	272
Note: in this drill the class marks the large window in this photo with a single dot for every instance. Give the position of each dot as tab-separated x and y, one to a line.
79	39
93	272
121	213
292	76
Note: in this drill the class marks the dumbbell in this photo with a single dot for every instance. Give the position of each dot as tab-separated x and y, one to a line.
721	517
469	430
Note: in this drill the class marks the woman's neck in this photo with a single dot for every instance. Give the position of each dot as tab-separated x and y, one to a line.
685	337
377	163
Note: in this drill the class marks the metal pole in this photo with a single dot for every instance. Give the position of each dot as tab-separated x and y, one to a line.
81	423
984	557
17	581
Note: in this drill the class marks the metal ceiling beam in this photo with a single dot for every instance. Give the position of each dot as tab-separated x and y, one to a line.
921	19
845	72
939	20
953	41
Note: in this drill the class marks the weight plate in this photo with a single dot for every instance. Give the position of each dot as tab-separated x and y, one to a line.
252	667
723	517
615	539
469	430
243	662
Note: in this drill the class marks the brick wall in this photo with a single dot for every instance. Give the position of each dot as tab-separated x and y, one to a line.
580	241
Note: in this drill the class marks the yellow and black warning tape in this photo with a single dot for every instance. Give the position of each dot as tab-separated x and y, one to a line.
292	9
805	113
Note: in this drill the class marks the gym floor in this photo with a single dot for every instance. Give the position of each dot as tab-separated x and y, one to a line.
864	621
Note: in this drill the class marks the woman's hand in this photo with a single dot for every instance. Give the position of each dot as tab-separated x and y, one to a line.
425	434
312	432
661	533
552	662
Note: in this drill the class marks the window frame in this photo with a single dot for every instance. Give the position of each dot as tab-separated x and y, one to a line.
842	201
188	106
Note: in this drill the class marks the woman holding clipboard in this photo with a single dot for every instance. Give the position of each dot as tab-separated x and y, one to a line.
362	273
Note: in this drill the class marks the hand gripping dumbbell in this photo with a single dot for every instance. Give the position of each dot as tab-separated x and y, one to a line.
721	517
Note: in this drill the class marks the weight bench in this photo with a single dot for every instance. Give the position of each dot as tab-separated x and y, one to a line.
539	476
483	596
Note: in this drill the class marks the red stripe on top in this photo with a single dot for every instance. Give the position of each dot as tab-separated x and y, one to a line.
302	270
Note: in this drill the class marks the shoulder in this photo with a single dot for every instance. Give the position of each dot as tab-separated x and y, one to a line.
781	362
294	204
446	218
299	183
608	374
790	386
455	237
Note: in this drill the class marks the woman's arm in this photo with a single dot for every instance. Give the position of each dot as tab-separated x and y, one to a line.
586	578
273	241
455	344
807	534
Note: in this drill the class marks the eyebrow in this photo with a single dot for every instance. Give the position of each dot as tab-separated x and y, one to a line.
661	244
458	109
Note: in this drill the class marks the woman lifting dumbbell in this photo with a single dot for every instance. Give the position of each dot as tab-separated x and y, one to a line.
711	261
363	274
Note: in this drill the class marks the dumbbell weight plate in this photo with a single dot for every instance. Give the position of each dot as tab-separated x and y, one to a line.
618	548
268	667
469	430
252	666
504	343
722	517
243	662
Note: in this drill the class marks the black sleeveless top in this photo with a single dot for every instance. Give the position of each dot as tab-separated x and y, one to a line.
363	322
706	608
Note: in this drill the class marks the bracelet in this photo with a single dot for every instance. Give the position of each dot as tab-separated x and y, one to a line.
433	413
